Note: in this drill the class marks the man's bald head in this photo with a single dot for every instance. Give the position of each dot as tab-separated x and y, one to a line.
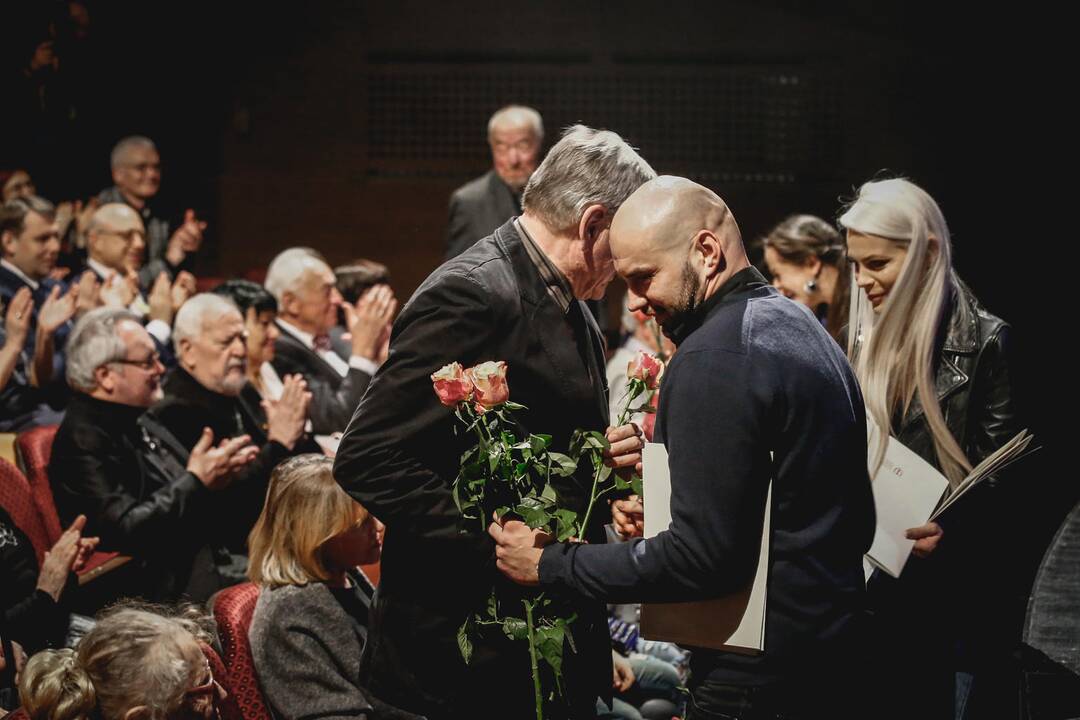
113	216
666	213
675	243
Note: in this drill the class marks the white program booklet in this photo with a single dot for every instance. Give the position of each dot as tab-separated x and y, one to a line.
906	491
734	622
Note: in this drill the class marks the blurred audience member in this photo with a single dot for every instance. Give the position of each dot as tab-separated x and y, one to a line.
805	256
33	599
16	183
209	388
116	246
477	208
353	280
136	172
259	309
140	489
34	393
135	664
308	302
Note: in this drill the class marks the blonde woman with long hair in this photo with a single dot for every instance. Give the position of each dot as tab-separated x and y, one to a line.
932	366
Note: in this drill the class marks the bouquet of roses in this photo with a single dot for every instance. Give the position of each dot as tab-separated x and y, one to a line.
508	472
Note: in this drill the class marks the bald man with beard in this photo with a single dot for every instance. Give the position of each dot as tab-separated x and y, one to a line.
757	392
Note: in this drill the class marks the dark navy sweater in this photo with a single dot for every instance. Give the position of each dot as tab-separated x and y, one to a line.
755	373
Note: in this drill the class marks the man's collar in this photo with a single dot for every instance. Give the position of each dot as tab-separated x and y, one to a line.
103	271
746	279
554	280
10	267
304	337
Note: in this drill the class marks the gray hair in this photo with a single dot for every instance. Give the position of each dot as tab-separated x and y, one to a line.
190	318
121	150
517	116
92	343
287	270
586	167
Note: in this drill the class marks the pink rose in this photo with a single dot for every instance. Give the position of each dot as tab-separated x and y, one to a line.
646	368
489	380
452	384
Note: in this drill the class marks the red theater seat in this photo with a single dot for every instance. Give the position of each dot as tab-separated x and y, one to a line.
233	610
34	449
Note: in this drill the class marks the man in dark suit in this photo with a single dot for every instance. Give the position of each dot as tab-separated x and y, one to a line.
142	492
29	246
515	135
308	302
514	296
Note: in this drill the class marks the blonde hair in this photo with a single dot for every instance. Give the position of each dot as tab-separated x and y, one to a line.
893	353
132	657
304	508
52	687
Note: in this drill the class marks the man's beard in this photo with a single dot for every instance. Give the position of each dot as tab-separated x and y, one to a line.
682	311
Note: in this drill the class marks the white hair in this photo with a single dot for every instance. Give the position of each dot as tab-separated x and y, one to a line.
287	271
190	319
93	342
893	353
123	148
586	167
516	116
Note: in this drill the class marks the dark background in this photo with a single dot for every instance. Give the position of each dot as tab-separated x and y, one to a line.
345	125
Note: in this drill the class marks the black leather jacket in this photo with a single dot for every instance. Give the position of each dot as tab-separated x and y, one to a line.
972	382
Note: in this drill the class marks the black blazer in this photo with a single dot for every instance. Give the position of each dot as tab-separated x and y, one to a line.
477	209
188	407
333	397
400	454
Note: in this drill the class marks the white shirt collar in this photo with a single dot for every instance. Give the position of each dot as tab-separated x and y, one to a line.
100	268
307	338
34	284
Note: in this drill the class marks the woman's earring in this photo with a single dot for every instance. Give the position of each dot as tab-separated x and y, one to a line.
810	285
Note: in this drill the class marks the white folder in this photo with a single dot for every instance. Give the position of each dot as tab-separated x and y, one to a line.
734	622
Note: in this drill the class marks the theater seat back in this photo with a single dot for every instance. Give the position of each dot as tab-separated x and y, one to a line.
34	448
233	610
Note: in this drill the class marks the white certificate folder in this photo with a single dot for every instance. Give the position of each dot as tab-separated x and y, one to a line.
734	622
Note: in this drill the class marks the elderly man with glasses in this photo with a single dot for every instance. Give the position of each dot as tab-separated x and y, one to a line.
136	174
140	489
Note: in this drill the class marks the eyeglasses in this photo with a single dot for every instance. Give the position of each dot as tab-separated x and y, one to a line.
148	364
127	235
207	685
143	167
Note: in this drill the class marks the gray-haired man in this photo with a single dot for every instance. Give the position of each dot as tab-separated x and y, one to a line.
516	296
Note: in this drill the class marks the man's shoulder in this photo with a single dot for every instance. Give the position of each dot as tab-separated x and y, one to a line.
474	190
484	271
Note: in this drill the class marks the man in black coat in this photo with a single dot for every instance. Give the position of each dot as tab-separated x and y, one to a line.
514	296
756	392
209	388
308	302
141	491
515	135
